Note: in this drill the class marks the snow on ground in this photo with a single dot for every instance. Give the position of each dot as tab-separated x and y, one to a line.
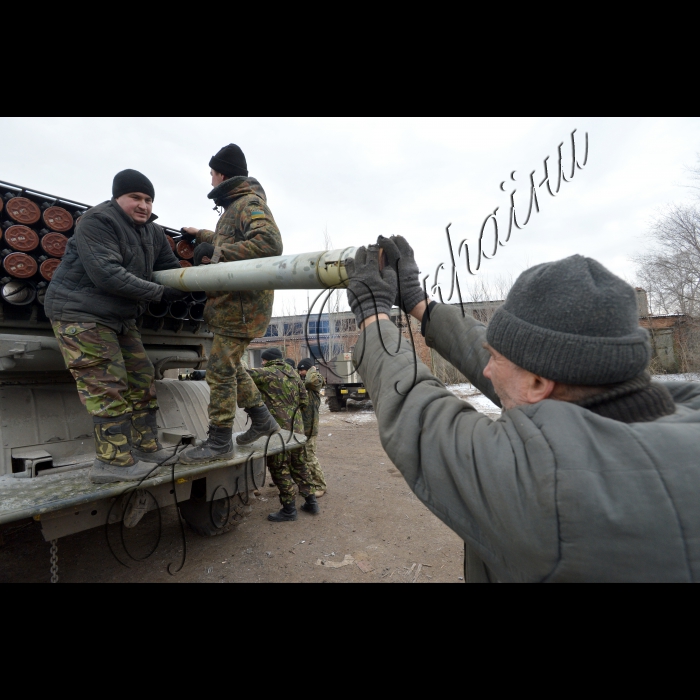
469	393
677	378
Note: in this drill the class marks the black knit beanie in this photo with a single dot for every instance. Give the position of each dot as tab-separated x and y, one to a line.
573	322
306	365
272	354
230	161
130	181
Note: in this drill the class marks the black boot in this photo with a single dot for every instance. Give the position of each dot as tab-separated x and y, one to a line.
311	506
264	425
218	448
288	514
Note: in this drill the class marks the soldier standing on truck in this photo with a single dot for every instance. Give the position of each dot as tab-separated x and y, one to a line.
102	286
287	400
314	384
246	231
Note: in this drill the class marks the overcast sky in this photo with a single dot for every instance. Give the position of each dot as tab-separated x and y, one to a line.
359	177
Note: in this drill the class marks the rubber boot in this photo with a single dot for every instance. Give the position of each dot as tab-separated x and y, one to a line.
145	444
311	506
288	514
115	463
264	425
218	448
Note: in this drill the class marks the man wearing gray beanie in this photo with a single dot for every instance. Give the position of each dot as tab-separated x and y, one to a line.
592	474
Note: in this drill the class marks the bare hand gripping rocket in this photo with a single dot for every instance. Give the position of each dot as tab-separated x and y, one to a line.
322	270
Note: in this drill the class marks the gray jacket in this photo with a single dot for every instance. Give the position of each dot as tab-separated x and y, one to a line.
550	492
105	276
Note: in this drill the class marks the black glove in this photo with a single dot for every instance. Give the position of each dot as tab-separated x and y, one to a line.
171	295
402	260
189	237
370	292
203	250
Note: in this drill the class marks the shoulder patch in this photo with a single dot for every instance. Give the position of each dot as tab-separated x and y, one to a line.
257	215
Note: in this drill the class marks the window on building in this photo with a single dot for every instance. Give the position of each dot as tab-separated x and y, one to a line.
272	332
293	329
319	328
346	326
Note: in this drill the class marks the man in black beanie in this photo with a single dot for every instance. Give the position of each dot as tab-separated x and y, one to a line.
590	475
102	286
246	231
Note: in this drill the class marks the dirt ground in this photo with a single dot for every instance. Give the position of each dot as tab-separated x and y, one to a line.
370	521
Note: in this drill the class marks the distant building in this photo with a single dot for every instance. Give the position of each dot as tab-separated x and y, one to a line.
328	335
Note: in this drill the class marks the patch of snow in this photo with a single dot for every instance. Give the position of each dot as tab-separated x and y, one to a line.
473	396
677	378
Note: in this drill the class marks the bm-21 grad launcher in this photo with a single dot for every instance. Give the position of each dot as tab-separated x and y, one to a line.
46	435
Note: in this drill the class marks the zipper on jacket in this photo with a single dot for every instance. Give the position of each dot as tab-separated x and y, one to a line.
240	297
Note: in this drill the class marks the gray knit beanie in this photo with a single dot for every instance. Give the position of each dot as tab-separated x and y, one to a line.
573	322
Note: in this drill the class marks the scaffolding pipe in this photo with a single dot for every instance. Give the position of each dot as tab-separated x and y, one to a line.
322	270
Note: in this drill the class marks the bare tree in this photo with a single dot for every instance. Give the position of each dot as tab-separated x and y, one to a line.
670	271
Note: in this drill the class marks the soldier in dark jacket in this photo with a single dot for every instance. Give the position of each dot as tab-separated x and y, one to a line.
246	231
102	286
590	475
287	399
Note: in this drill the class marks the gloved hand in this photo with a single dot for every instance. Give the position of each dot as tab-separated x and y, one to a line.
189	234
402	260
171	295
370	292
203	250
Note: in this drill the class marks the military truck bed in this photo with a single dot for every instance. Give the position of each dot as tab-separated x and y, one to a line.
53	498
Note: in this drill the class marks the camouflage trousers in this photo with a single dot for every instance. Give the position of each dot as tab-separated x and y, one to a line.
230	384
113	372
287	470
318	478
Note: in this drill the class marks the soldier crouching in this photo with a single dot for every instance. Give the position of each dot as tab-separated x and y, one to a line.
286	398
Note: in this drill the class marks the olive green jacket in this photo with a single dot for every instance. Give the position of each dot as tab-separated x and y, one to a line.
246	231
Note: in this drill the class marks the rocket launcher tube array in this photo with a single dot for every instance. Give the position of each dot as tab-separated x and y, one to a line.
322	270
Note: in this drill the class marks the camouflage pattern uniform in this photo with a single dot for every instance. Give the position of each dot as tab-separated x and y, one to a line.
285	396
314	384
115	378
246	231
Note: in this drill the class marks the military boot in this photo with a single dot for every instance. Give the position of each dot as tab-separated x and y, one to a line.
144	439
218	448
264	425
288	514
311	506
115	463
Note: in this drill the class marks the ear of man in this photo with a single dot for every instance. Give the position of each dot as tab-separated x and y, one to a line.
538	388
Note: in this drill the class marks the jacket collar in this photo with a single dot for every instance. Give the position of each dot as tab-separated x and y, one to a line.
235	188
128	219
637	401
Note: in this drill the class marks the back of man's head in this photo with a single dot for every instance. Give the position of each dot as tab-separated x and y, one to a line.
230	161
572	322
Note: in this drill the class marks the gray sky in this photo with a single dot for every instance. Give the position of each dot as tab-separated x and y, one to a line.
360	177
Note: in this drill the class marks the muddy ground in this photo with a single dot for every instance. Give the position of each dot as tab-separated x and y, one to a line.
370	521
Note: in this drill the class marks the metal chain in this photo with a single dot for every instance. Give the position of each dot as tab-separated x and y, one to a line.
54	561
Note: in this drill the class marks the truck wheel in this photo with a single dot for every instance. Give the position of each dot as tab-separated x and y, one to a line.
344	404
334	404
215	518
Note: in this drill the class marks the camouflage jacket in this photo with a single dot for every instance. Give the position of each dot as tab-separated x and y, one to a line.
284	394
246	231
315	384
